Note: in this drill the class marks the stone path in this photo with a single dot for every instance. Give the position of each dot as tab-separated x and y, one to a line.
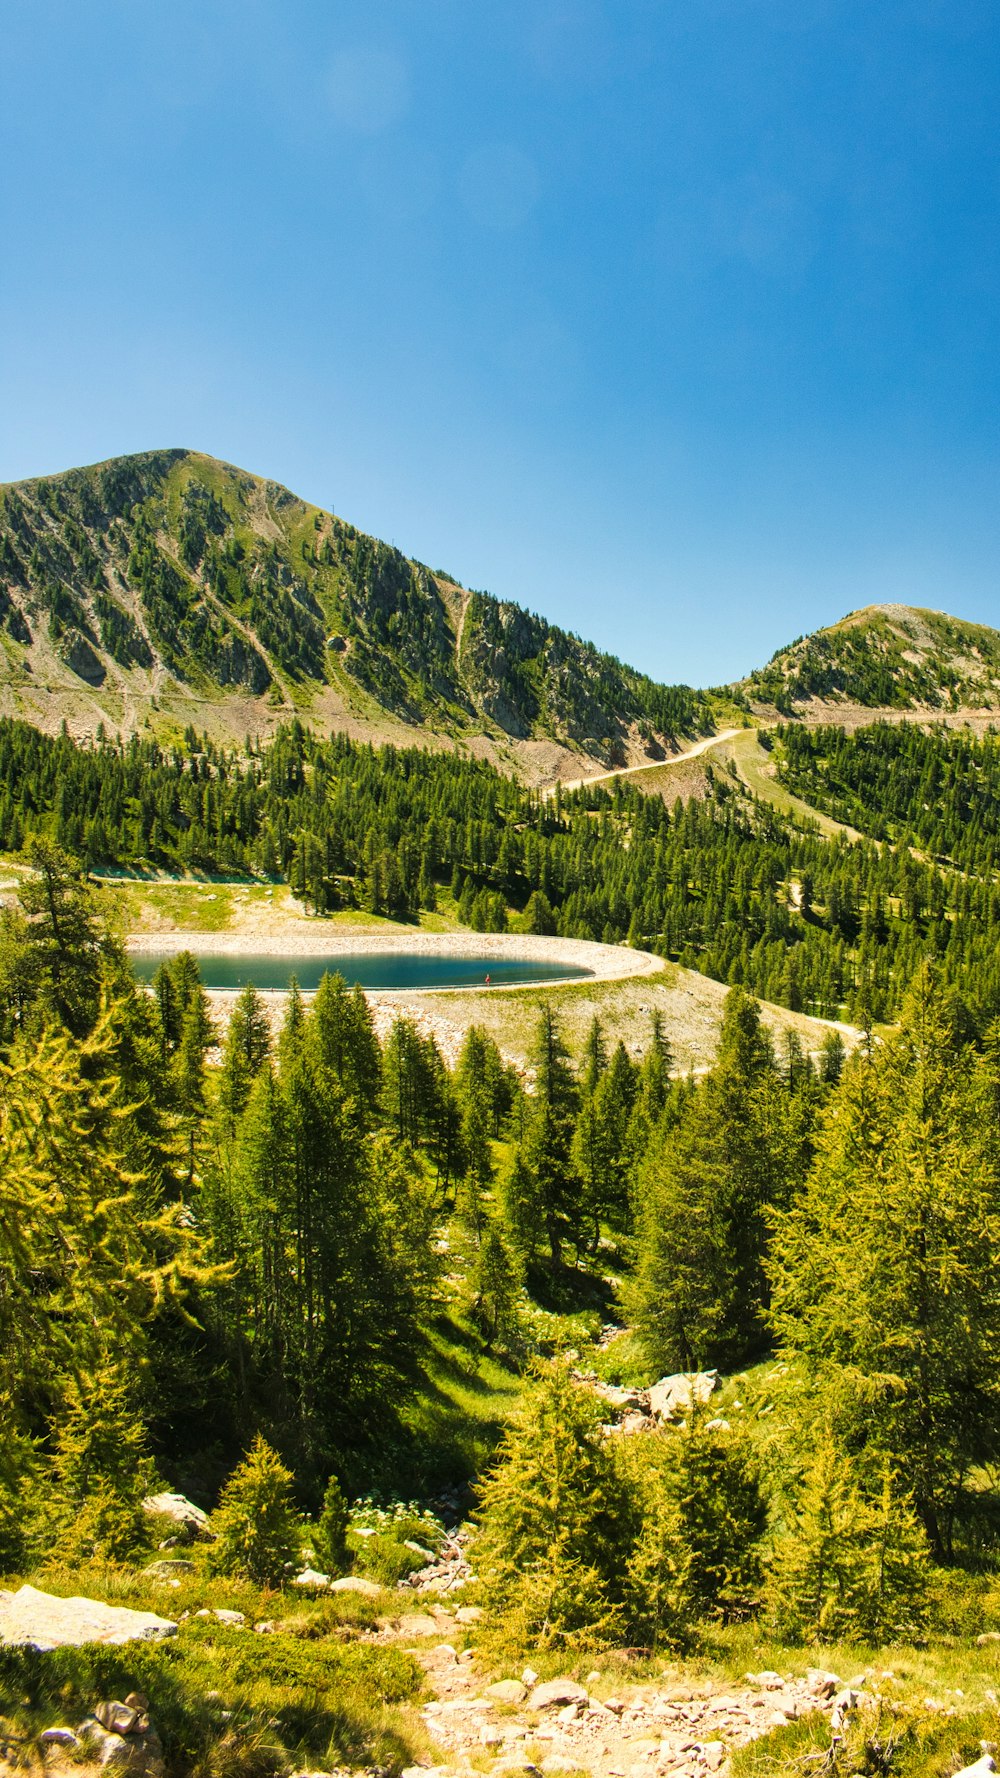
675	1729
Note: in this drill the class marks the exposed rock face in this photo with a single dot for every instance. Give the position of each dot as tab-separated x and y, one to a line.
32	1619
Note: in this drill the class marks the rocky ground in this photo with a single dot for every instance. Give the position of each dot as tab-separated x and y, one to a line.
515	1724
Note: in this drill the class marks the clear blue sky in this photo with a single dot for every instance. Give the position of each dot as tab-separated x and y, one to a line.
676	320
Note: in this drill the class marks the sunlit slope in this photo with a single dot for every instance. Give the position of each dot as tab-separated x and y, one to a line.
170	585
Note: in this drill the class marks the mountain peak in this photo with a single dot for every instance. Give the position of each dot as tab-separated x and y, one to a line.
890	657
168	581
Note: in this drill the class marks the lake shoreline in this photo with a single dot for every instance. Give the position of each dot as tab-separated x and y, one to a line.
310	939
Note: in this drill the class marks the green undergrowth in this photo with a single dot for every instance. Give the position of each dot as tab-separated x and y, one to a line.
454	1419
229	1703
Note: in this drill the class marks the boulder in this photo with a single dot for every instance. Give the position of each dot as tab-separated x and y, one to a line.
507	1691
189	1519
58	1738
981	1769
32	1619
122	1738
468	1614
121	1719
139	1755
355	1583
554	1693
311	1577
678	1394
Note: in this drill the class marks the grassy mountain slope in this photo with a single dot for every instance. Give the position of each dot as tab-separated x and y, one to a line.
173	581
885	657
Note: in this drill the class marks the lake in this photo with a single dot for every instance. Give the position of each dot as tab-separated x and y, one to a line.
386	970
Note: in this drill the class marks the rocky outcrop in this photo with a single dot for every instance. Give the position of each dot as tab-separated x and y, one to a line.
191	1522
32	1619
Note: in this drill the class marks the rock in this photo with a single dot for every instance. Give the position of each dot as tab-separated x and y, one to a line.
417	1549
507	1691
553	1693
59	1738
981	1768
823	1684
615	1705
713	1753
987	1637
768	1680
190	1518
529	1676
311	1577
468	1614
490	1737
32	1619
121	1719
678	1394
419	1625
235	1619
169	1568
355	1583
140	1754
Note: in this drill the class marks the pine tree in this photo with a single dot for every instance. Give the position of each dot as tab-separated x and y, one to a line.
888	1267
497	1294
330	1533
257	1530
546	1150
554	1521
100	1469
706	1196
246	1049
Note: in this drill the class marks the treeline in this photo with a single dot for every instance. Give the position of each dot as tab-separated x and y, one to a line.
833	928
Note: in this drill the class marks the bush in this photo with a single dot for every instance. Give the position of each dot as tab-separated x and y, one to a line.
257	1531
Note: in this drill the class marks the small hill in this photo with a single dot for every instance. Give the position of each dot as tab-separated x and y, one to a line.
171	583
884	657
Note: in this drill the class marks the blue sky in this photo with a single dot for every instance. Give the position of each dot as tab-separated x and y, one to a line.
676	320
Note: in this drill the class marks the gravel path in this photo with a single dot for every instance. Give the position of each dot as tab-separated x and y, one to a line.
480	1723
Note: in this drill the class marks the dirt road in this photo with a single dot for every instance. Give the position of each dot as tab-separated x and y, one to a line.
654	765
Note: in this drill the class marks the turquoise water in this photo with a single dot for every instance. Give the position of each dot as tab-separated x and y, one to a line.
372	969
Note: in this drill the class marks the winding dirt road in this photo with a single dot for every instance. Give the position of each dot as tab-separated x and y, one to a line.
652	765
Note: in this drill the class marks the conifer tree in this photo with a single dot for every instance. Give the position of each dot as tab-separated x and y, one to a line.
497	1293
246	1049
554	1520
888	1265
330	1533
546	1150
100	1468
257	1530
705	1198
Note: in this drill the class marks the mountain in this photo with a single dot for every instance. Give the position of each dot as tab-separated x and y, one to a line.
884	657
169	588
